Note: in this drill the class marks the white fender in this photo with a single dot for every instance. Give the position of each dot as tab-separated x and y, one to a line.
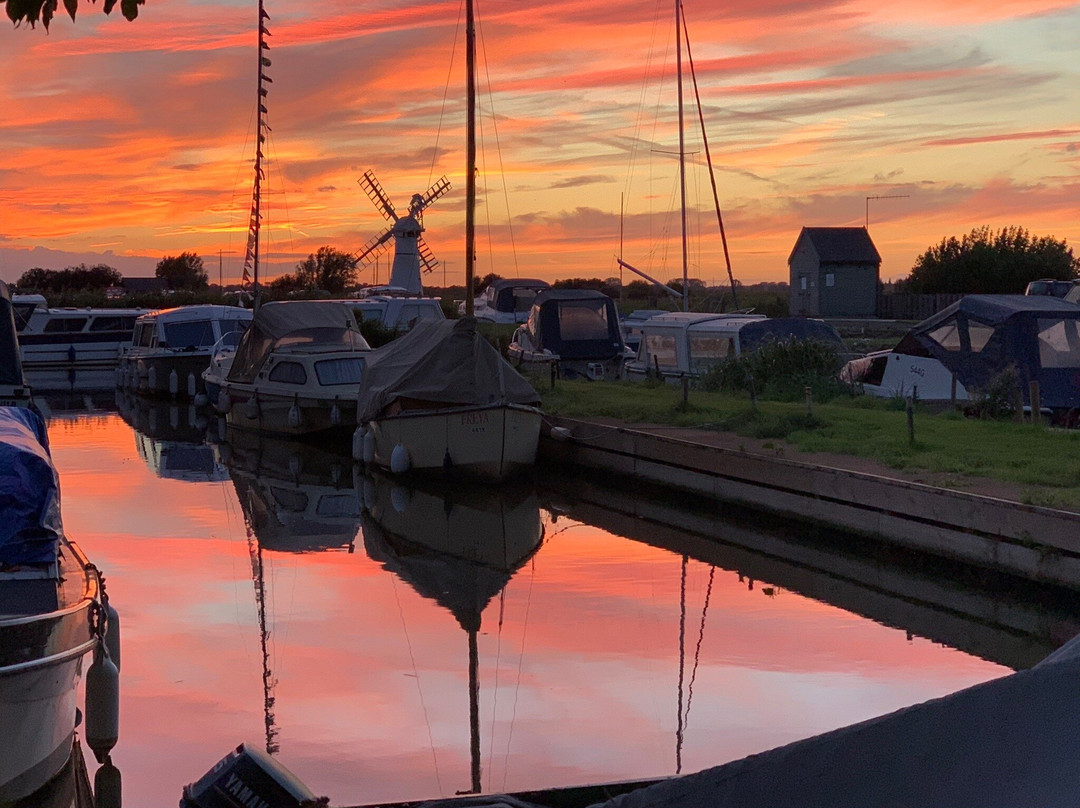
399	460
369	447
174	416
251	408
102	703
112	634
335	414
224	402
192	385
151	377
295	416
201	399
174	382
296	465
399	498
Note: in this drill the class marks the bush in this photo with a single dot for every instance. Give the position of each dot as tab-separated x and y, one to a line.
998	398
781	370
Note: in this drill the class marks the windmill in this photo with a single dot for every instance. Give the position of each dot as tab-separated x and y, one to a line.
410	251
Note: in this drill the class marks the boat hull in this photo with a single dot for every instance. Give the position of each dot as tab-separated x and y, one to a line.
270	412
151	374
492	442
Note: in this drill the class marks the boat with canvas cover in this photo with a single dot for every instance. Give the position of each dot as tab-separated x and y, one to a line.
442	398
14	392
53	612
296	370
507	300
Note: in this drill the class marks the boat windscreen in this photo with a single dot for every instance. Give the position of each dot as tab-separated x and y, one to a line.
1059	343
190	335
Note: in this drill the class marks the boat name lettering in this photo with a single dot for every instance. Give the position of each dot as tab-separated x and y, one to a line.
918	371
248	798
475	418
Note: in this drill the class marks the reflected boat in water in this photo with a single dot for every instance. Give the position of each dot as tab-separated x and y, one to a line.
297	497
170	438
457	545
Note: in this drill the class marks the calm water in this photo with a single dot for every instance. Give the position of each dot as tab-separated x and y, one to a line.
605	648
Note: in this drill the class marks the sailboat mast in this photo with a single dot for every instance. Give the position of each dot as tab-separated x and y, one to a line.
251	259
682	153
470	154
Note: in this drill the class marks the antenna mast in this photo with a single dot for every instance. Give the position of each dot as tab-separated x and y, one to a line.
682	154
470	154
251	259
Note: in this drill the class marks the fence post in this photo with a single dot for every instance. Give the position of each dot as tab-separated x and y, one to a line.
910	410
1036	402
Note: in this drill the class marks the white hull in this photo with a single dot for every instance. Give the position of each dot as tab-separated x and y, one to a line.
491	441
37	714
270	410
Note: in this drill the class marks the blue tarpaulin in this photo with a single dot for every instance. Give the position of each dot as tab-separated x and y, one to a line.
29	490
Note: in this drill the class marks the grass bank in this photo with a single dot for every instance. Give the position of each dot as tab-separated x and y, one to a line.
1045	463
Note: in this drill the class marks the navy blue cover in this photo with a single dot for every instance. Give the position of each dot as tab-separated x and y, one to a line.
29	490
547	334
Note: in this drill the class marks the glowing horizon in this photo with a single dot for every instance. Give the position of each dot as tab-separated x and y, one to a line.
135	140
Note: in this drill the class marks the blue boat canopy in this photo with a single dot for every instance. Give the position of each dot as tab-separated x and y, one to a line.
29	491
980	336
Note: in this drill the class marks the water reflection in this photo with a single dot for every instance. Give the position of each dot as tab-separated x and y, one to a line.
169	438
457	545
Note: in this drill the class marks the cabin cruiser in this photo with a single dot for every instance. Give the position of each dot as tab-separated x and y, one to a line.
171	348
296	370
678	344
442	398
574	330
53	612
963	347
507	300
66	337
14	391
395	312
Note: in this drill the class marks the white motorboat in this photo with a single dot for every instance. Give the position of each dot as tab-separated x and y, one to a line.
296	370
442	398
171	348
53	611
65	337
508	300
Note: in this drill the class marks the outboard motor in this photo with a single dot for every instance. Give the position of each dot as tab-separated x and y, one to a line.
249	776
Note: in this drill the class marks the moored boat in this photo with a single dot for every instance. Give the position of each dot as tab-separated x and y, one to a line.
68	337
171	348
296	370
14	391
508	300
442	398
53	611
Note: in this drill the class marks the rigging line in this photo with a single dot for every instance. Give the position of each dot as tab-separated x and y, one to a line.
419	689
682	666
521	661
708	160
498	146
697	651
446	94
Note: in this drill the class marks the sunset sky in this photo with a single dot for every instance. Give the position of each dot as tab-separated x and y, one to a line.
125	142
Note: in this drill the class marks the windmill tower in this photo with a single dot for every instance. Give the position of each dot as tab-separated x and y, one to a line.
410	251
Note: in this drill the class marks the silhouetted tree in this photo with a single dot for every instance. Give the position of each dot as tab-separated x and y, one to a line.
988	262
31	11
328	269
284	284
184	271
72	279
479	284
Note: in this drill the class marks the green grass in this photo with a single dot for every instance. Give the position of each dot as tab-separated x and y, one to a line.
1046	463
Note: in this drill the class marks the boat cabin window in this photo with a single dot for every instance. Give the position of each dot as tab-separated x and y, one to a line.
410	313
229	326
190	335
289	373
111	324
330	336
866	370
144	334
584	319
979	334
660	349
1059	343
65	325
344	505
947	335
339	371
523	299
706	351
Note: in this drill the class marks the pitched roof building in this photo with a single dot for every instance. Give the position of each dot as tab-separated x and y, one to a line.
834	272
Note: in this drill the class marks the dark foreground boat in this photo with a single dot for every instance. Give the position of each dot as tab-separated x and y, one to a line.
53	612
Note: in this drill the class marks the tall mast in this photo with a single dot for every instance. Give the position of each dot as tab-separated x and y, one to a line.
470	153
251	259
682	152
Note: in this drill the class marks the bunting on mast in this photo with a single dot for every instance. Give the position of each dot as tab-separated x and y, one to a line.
251	257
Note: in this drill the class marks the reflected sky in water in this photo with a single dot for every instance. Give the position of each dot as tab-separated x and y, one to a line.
372	595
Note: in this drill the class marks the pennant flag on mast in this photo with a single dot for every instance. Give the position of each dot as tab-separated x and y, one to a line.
251	256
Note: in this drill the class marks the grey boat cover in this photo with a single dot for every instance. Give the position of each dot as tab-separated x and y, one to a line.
318	323
441	362
979	336
29	490
11	372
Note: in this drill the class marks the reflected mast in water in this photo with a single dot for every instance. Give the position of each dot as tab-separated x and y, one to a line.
457	546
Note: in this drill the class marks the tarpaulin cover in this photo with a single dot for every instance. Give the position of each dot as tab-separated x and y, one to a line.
575	324
980	336
11	372
29	490
442	362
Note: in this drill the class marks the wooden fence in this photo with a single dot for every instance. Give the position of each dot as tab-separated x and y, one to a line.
912	307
